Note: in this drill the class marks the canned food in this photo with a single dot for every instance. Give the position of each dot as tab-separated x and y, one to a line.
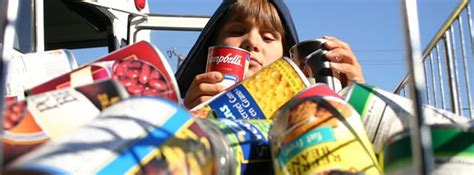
130	138
320	133
385	113
232	62
310	56
141	68
52	114
249	142
259	96
453	151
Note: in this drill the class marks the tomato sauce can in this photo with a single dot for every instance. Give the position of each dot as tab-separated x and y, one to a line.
232	62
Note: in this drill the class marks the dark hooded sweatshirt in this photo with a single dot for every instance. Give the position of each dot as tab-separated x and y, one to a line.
195	62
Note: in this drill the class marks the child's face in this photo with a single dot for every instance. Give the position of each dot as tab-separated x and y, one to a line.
265	45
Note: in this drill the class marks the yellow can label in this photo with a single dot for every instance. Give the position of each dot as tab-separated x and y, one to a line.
261	95
323	135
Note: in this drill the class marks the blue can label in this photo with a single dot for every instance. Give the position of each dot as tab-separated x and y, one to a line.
237	104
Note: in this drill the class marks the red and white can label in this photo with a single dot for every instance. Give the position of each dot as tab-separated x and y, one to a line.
232	62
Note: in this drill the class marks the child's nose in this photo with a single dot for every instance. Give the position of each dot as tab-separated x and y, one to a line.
251	43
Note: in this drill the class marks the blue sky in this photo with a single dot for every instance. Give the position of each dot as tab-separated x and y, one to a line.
373	28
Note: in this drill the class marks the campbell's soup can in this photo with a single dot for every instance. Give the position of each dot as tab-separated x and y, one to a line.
232	62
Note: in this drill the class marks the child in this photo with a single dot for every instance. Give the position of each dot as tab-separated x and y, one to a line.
265	29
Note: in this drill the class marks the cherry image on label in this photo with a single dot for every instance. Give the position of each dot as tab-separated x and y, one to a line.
141	78
13	113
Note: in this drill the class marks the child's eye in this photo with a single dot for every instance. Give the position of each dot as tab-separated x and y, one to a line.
268	37
236	32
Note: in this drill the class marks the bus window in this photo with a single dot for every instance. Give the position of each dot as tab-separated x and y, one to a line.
24	40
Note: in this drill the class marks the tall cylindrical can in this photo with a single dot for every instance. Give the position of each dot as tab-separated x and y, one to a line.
319	133
130	137
232	62
248	140
50	115
310	56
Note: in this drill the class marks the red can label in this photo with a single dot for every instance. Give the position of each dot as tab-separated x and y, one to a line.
231	61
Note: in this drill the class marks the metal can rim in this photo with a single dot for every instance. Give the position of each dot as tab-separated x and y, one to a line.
321	40
232	47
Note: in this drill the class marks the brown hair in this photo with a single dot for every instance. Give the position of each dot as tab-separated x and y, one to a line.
264	12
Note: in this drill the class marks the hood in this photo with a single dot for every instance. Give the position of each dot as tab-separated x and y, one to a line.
195	62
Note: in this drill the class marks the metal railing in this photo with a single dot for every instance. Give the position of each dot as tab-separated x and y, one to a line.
448	65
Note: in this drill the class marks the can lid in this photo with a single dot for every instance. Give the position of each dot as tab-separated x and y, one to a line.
231	47
318	40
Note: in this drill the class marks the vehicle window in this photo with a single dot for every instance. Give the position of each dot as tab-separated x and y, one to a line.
174	45
87	55
25	36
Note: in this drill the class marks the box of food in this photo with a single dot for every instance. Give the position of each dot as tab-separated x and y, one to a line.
259	96
140	67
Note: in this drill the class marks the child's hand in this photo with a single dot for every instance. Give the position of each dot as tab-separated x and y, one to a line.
203	88
343	61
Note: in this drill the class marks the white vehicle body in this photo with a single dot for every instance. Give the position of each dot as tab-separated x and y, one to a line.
38	27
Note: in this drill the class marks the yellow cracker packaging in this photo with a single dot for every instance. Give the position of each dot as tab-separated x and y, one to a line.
259	96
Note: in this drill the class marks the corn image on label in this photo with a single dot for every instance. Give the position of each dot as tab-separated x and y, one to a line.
249	142
261	95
